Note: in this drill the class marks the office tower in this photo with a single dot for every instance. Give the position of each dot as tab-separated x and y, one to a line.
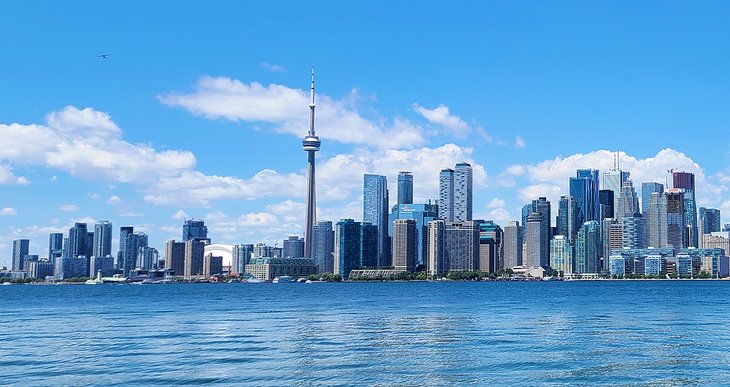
194	252
131	244
634	232
311	144
612	237
614	180
20	250
463	192
561	254
147	258
212	265
628	201
89	245
542	205
606	203
512	245
293	247
686	181
121	254
375	212
676	226
526	211
240	257
656	220
404	245
355	246
175	257
77	236
709	222
323	246
567	217
405	187
437	262
588	248
446	194
462	245
422	214
102	239
55	245
584	188
646	190
490	247
194	229
535	238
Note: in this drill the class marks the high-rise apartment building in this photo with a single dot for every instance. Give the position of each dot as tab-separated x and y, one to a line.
512	245
490	247
404	245
656	220
175	257
455	193
561	254
102	239
355	246
323	246
634	232
21	248
446	194
405	187
588	248
194	254
709	222
122	255
676	226
437	262
194	229
375	212
77	237
422	214
293	247
567	217
646	190
535	238
686	181
462	245
612	236
55	246
240	257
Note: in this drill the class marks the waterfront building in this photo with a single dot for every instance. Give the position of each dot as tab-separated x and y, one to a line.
717	240
122	257
561	254
77	237
293	247
262	250
462	245
646	190
194	253
617	265
584	188
490	247
709	222
446	194
355	246
133	241
405	187
194	229
21	248
103	264
455	193
175	257
310	144
655	265
656	220
422	214
102	245
512	245
628	201
588	248
686	182
39	269
568	217
437	262
612	237
404	245
70	267
526	211
270	268
240	256
323	246
535	238
634	231
375	212
55	246
212	265
147	258
676	226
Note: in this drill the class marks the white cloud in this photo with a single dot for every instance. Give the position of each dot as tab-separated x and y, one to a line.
520	142
7	211
114	200
94	196
531	192
69	208
130	214
180	215
440	115
8	178
286	110
274	68
496	203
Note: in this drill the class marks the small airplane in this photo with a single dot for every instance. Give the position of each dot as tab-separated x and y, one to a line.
103	56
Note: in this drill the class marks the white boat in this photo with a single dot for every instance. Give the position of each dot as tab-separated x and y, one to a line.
95	281
282	279
116	278
549	279
6	283
254	281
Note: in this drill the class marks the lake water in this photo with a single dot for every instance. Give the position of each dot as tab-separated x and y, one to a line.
557	333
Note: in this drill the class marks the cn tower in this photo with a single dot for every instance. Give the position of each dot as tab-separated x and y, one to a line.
310	144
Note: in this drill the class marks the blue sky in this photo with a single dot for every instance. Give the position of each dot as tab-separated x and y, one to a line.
200	109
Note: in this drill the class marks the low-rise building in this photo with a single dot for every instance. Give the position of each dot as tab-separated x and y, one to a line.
269	268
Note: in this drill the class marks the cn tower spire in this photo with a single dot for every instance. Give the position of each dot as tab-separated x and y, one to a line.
311	145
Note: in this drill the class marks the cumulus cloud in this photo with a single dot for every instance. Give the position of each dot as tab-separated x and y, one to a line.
286	110
520	142
496	203
7	211
8	178
69	208
180	215
441	116
114	200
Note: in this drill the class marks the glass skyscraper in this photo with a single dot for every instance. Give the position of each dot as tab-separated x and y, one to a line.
446	194
20	250
709	221
490	247
561	254
535	239
588	248
355	246
567	217
686	181
628	201
584	188
656	220
512	245
614	180
375	212
646	190
55	245
455	193
634	232
323	245
676	226
422	213
103	239
194	229
405	187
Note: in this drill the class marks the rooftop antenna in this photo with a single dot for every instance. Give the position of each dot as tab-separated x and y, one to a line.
311	107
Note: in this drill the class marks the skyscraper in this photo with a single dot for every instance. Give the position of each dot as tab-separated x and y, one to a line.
77	236
646	190
634	232
240	257
686	181
20	250
355	246
375	211
656	220
422	214
446	194
404	245
535	238
293	247
614	180
55	246
194	254
405	187
123	258
490	247
437	262
541	206
463	192
512	245
628	201
194	229
584	188
709	222
323	245
676	226
561	254
612	235
311	145
588	248
606	203
175	257
103	239
462	245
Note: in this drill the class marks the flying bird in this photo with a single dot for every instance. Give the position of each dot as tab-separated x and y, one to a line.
103	56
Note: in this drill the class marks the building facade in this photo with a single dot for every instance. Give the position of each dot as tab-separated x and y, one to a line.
375	212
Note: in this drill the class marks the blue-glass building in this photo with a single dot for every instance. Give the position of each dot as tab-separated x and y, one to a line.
355	246
584	188
588	248
375	212
422	213
405	187
646	190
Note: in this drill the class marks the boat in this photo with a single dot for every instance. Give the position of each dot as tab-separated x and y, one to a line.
234	281
116	278
549	279
254	281
6	283
95	281
282	279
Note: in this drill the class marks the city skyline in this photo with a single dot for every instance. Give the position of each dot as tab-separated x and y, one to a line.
216	138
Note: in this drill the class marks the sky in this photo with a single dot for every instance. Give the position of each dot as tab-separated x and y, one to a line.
200	108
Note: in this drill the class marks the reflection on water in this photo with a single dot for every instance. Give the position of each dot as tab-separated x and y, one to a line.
654	332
